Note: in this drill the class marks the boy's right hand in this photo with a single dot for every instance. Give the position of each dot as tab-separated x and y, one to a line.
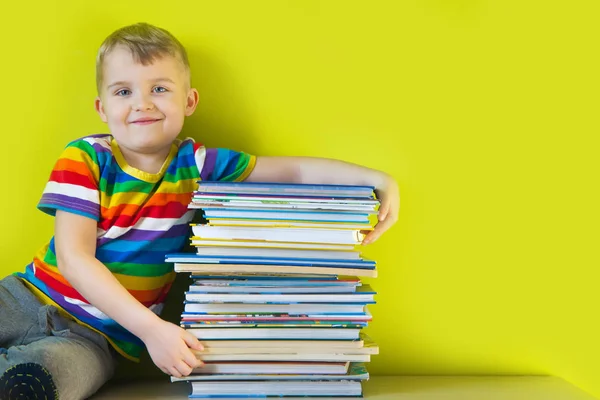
169	347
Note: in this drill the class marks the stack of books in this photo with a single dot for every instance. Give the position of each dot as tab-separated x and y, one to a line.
276	297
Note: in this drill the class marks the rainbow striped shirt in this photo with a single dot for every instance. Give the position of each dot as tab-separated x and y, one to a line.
141	217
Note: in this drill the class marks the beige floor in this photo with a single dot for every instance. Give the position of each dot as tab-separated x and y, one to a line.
395	388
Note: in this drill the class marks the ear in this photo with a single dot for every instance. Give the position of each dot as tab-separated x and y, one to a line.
191	102
100	109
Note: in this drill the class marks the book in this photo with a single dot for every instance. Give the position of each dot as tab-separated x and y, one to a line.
363	294
277	388
362	341
286	357
276	281
261	324
262	367
188	265
276	253
270	289
282	205
282	199
191	317
289	224
369	348
287	188
275	333
308	308
221	397
197	242
298	215
356	372
336	236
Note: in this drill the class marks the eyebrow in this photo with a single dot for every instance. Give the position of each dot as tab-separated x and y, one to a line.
124	83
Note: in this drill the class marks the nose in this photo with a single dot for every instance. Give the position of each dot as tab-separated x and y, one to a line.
143	103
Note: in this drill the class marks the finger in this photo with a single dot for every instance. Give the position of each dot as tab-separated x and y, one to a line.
192	342
166	371
183	368
175	372
191	359
378	231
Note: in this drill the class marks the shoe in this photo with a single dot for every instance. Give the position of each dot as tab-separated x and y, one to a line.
27	381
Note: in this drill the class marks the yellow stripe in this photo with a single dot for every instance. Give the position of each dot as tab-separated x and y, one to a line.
76	154
145	176
44	299
131	282
139	198
248	170
366	227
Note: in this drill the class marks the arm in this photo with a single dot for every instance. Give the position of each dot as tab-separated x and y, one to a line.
329	171
168	344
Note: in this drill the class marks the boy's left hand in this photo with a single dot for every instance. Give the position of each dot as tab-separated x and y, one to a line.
389	196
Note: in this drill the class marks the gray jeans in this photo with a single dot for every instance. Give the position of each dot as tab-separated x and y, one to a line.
79	359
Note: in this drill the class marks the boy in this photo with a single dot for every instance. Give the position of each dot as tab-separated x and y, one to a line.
94	292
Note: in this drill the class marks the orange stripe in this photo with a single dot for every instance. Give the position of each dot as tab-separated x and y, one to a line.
66	164
147	297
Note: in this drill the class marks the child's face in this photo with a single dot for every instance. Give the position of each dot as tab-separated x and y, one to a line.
144	105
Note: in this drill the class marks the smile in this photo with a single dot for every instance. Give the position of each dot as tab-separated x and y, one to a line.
146	121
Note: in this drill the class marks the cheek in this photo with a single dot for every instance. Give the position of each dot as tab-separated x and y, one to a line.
117	112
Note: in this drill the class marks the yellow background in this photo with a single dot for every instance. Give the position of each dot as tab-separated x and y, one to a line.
485	111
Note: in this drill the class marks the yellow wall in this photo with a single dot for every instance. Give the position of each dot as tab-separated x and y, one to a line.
485	111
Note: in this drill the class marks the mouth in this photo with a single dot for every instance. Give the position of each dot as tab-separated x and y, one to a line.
146	121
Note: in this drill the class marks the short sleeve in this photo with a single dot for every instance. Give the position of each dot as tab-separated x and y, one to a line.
216	164
73	183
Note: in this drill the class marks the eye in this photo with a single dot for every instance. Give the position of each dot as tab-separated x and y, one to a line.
123	92
159	89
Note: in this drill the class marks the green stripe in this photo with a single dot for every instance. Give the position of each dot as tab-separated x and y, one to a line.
142	270
128	347
87	148
50	258
137	186
182	174
240	167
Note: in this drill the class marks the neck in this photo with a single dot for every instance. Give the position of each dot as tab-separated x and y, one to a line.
147	162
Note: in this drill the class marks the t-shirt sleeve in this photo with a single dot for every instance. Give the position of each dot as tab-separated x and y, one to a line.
217	164
73	183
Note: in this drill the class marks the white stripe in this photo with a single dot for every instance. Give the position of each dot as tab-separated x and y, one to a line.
71	190
150	224
93	311
88	308
103	141
200	157
157	308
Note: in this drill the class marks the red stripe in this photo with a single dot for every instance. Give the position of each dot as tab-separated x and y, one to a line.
73	178
171	210
163	297
60	287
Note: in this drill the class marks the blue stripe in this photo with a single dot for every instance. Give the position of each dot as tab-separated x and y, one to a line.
145	257
225	163
162	245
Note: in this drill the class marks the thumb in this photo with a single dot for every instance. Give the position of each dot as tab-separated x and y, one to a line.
192	342
383	210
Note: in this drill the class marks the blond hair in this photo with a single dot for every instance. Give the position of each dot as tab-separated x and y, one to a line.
146	43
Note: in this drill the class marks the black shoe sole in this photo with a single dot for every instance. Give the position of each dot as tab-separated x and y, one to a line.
27	381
